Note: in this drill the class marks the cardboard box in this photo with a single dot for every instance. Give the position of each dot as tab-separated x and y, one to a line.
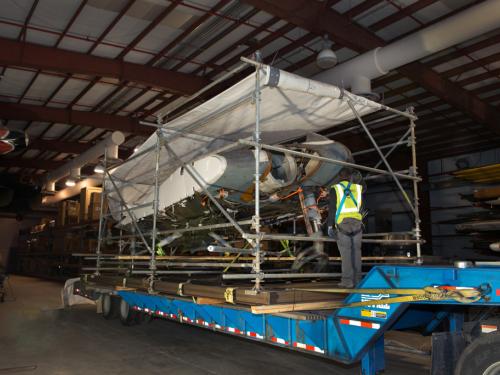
85	200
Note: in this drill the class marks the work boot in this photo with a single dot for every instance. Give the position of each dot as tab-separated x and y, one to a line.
345	285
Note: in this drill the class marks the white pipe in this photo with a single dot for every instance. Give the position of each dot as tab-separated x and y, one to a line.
468	24
75	173
110	143
50	186
112	151
361	85
92	181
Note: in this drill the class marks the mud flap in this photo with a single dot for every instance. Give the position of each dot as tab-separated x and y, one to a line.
446	350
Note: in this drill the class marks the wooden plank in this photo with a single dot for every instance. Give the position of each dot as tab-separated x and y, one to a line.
288	296
209	301
305	306
487	193
243	294
125	288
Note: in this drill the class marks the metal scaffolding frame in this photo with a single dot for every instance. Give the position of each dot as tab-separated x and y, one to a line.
254	237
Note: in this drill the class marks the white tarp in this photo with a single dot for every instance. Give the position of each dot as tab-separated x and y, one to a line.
291	107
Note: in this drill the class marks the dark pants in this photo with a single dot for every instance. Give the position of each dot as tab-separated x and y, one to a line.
349	235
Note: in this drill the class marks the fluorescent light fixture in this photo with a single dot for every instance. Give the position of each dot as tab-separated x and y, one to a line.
70	182
99	168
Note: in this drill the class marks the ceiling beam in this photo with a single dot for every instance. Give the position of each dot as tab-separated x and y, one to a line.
18	162
59	146
28	112
454	94
49	58
313	16
317	18
456	150
400	14
362	7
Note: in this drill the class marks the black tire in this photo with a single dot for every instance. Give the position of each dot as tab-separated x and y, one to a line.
110	306
128	316
482	357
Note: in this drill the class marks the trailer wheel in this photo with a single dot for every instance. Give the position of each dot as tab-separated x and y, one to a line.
482	357
128	317
110	306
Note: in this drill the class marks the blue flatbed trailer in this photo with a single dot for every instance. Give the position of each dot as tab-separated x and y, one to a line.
348	334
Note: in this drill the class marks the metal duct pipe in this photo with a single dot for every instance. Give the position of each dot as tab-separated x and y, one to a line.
50	186
468	24
112	151
68	192
110	143
361	85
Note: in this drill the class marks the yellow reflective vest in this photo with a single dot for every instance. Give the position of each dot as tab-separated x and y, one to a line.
349	200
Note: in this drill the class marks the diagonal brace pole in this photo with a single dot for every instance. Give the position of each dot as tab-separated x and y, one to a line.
130	212
101	219
393	148
381	154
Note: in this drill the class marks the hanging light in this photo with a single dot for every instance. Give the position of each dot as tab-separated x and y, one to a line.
99	168
326	57
73	177
70	182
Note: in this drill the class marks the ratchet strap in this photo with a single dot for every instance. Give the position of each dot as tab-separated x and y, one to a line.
429	293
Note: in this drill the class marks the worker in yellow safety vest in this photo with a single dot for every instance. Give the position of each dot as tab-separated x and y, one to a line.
345	222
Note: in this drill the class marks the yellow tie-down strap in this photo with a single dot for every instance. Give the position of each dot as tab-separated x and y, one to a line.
430	293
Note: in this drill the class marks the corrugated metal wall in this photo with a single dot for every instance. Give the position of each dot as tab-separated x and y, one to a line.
447	204
384	200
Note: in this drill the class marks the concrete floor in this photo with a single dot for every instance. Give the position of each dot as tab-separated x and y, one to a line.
38	337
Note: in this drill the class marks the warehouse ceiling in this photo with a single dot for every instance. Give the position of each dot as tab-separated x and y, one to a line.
73	70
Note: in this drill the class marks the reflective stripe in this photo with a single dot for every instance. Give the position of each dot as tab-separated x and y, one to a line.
235	330
279	340
354	209
359	196
311	348
486	328
359	323
255	335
